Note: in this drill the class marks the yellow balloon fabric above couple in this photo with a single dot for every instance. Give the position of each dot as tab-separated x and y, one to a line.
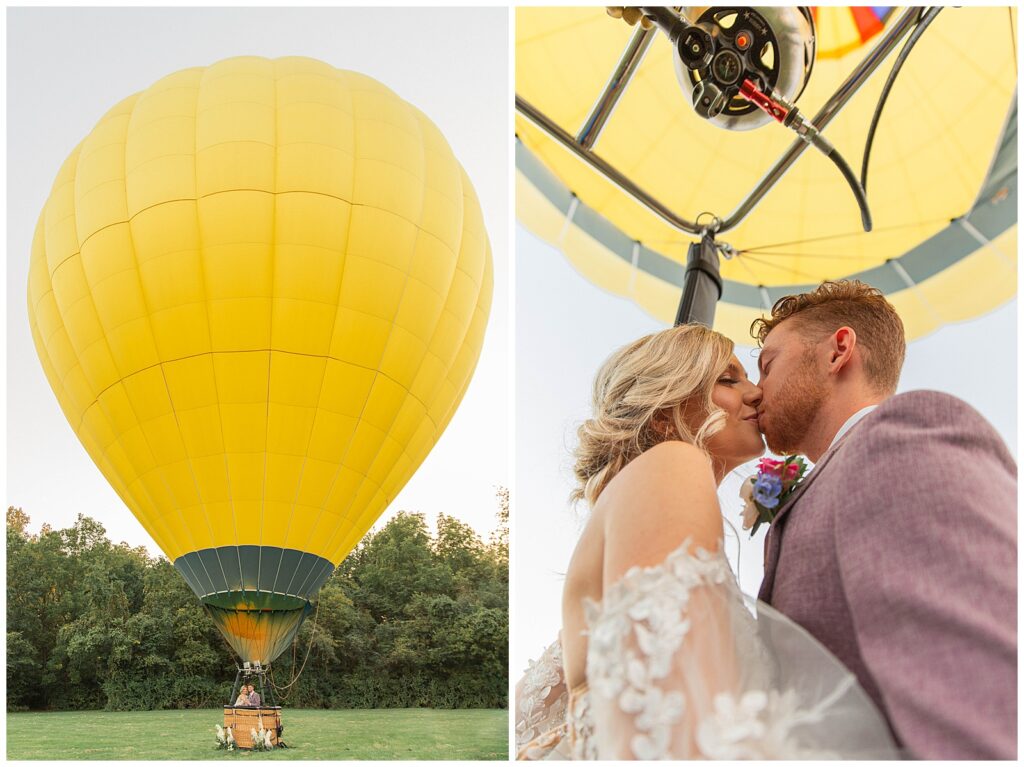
259	290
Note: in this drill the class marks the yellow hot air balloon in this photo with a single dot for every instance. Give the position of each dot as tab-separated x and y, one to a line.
259	290
941	186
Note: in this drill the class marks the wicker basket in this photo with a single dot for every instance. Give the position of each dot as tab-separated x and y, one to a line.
244	719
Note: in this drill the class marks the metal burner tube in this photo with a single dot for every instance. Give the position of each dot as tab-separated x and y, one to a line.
624	70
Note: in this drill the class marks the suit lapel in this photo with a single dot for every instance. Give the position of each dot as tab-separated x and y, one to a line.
773	540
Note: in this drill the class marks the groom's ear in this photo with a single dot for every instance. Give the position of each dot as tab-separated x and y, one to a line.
842	344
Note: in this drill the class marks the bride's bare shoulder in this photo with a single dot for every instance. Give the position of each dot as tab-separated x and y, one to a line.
660	499
665	468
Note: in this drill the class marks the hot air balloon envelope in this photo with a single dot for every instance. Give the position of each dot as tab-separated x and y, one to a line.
259	290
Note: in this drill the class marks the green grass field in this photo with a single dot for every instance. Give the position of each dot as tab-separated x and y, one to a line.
409	733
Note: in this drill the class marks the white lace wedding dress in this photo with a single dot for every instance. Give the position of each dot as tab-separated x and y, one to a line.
678	667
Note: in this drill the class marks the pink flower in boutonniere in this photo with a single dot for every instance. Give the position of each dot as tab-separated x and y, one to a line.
786	470
766	492
770	466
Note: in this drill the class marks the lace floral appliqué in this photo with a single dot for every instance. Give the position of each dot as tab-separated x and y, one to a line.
758	725
540	722
633	663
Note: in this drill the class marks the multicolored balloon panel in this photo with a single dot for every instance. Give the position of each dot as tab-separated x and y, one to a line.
844	28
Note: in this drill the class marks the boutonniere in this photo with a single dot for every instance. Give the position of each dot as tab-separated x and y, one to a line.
768	490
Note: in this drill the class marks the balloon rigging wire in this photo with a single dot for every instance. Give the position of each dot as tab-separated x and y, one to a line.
750	271
766	262
858	233
919	29
832	256
762	249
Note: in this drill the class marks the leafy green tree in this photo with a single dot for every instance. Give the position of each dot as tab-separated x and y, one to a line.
396	563
23	672
408	619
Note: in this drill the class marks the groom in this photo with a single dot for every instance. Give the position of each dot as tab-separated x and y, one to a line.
899	550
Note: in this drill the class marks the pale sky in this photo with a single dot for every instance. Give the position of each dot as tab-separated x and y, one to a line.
566	327
67	67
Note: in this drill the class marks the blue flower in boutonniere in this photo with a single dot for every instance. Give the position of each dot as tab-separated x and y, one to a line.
768	490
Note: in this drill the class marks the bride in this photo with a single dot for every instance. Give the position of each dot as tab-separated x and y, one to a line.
660	654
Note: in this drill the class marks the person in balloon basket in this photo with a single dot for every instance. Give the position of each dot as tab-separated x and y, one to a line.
243	697
886	623
254	697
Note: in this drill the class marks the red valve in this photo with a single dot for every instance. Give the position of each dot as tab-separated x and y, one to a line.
749	91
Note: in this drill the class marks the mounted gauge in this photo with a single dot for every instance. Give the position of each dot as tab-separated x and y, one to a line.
772	46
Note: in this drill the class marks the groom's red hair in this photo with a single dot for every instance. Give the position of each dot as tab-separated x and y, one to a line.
850	303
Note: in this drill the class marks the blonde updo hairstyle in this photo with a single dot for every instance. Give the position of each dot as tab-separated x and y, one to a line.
658	374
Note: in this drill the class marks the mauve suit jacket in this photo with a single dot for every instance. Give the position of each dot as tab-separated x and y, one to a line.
899	553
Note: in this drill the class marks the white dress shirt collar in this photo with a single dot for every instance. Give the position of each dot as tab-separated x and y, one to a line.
850	423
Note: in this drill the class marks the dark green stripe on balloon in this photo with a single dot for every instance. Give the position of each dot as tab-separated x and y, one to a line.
254	570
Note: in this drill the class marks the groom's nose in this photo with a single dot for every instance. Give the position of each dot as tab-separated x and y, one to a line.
752	396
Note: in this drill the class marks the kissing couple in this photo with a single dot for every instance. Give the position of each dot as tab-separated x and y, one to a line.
886	623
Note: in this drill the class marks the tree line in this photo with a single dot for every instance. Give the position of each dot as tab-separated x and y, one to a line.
408	619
